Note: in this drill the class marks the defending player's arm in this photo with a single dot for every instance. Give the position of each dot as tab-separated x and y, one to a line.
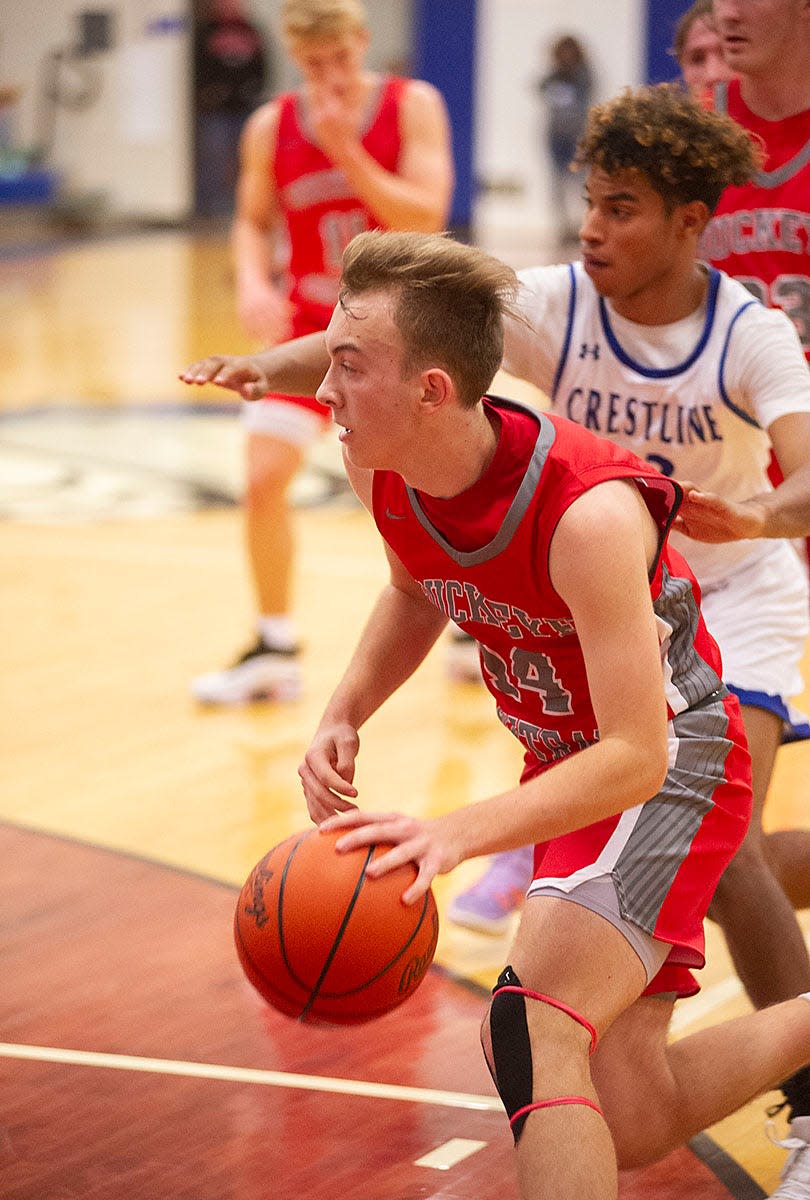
417	195
402	628
263	306
296	367
782	513
599	561
771	383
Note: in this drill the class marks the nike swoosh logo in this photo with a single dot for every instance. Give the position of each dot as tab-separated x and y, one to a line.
392	516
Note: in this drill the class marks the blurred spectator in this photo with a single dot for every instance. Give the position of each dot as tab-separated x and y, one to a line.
566	92
230	75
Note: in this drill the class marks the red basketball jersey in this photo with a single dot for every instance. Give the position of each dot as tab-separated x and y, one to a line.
499	591
321	211
666	855
760	232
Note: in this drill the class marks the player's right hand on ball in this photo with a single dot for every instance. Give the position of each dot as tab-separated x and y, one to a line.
238	373
328	770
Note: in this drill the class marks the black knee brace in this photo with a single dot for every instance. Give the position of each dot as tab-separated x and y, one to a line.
511	1066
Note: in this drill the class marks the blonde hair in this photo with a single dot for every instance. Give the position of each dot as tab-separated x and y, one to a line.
317	20
450	300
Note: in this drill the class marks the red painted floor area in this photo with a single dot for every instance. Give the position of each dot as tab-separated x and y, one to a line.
106	953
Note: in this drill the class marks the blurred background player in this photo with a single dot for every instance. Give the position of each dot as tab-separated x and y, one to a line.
698	50
566	91
350	150
759	234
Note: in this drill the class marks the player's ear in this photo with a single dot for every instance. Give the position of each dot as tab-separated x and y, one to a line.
437	387
694	216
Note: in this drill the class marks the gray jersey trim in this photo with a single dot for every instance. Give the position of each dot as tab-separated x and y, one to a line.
767	179
518	507
646	868
677	604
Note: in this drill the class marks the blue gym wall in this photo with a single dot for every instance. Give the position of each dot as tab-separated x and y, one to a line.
444	54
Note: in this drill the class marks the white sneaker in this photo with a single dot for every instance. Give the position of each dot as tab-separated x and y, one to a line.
261	673
795	1175
461	662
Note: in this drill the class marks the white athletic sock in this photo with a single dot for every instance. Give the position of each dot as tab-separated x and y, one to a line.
277	631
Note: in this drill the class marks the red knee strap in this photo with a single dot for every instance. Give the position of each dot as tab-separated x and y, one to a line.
570	1012
527	1108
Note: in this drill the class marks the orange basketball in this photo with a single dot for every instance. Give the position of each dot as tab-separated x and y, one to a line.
321	941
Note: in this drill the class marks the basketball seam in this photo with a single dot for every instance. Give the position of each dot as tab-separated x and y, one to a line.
338	936
254	966
361	987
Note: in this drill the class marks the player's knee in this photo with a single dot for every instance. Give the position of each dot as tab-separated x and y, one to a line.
545	1056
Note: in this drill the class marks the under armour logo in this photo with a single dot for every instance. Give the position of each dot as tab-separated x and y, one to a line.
392	516
586	351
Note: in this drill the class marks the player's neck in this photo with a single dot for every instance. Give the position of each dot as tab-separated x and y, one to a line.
666	300
457	461
777	94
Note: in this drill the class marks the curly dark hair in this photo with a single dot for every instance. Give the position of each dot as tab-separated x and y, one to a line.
685	151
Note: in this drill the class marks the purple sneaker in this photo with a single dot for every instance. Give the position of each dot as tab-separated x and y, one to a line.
488	905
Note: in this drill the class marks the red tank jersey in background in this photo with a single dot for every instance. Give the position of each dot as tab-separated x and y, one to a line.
760	232
321	211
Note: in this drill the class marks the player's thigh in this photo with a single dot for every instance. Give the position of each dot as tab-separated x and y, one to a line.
271	462
764	732
279	432
568	952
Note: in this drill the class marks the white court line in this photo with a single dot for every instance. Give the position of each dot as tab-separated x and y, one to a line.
446	1156
312	1083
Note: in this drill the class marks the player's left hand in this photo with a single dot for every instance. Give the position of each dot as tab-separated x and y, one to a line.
427	844
707	517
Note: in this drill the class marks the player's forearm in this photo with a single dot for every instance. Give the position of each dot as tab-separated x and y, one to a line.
786	511
252	249
397	637
296	367
605	779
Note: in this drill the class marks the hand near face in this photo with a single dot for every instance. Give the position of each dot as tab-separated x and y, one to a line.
237	373
333	123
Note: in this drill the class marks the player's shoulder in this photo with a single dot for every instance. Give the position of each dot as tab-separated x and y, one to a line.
263	121
752	312
546	285
421	97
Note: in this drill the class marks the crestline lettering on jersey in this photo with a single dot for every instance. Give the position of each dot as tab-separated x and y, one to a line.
612	413
759	230
547	745
462	602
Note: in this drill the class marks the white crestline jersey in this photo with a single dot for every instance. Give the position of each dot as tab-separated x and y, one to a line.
682	417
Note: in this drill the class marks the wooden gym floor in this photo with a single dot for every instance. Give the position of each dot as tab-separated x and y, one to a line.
135	1060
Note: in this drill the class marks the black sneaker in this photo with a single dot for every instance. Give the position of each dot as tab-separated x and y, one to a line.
262	673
